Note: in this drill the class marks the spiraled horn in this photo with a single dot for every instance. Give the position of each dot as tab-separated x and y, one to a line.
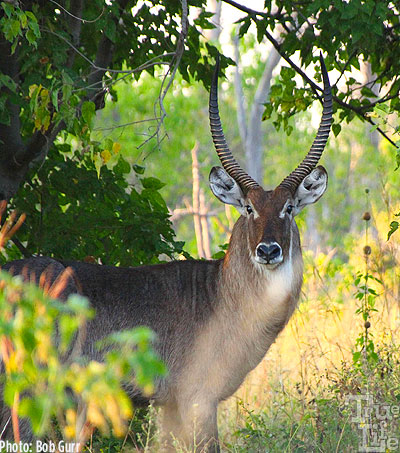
292	181
225	156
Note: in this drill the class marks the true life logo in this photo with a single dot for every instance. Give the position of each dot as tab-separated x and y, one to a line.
374	421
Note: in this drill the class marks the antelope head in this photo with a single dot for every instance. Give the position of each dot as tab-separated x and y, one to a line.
267	217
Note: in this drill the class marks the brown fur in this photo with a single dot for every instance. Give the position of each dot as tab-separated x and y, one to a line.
249	316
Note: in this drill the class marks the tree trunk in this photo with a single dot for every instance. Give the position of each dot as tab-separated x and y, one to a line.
240	99
205	226
254	142
251	130
196	202
215	7
11	172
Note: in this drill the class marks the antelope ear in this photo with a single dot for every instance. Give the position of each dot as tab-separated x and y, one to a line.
311	188
226	189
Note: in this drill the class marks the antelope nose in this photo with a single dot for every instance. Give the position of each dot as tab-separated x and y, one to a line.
269	253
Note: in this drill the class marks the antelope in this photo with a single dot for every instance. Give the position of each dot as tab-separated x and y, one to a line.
215	320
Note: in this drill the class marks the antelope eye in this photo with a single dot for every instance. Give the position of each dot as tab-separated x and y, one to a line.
249	209
289	209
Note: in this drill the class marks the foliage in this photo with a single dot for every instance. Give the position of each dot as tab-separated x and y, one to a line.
394	226
55	92
44	375
61	66
347	33
321	426
80	51
39	338
74	214
141	435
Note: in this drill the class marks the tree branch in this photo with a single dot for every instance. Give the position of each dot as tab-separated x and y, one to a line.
345	66
245	9
75	14
177	213
35	149
180	47
104	56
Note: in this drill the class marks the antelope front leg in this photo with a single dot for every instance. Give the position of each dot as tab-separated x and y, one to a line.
171	427
191	426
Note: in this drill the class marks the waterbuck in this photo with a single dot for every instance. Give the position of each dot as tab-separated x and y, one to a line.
214	320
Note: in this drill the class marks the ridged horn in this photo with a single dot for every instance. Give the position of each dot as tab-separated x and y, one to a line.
225	155
292	181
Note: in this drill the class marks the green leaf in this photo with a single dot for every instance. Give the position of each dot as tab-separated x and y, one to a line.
23	19
11	29
88	111
287	73
122	166
244	27
261	27
98	163
367	92
31	16
394	226
8	8
350	11
139	169
111	31
54	99
219	255
152	183
34	27
356	356
336	128
8	82
14	46
30	36
268	111
108	144
397	159
382	108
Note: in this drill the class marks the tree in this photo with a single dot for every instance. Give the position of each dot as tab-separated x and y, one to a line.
59	61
